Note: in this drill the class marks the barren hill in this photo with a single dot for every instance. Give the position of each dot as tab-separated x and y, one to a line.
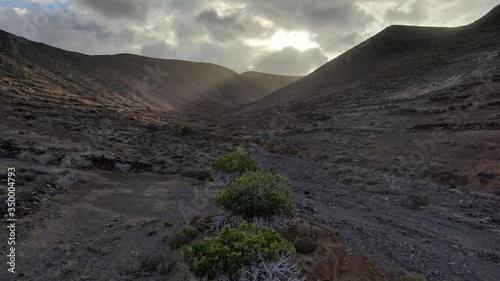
122	81
399	57
269	83
419	101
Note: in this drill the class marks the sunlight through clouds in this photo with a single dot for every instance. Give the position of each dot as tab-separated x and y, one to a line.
296	39
228	33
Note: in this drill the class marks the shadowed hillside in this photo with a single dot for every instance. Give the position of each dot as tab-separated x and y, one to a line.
404	100
387	60
123	81
269	83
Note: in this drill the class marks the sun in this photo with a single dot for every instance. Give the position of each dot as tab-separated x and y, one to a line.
300	40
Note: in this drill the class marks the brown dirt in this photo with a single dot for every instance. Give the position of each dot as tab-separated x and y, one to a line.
334	262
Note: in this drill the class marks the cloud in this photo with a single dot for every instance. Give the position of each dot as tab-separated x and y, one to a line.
10	20
409	12
290	61
222	28
236	34
117	9
433	13
328	20
234	25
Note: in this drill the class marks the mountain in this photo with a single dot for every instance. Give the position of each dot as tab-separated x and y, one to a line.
269	83
44	74
385	60
415	101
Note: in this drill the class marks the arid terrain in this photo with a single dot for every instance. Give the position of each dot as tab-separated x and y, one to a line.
392	147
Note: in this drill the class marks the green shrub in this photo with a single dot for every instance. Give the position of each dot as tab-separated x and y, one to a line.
183	128
233	249
257	194
236	161
411	276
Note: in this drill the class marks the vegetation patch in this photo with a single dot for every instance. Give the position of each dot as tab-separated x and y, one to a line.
234	249
238	161
257	194
183	128
411	276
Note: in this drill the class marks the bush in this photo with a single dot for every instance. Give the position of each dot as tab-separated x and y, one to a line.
234	249
411	276
68	178
236	161
122	167
74	160
183	128
257	194
45	158
26	156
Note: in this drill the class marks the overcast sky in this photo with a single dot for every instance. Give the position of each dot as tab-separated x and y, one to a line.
284	37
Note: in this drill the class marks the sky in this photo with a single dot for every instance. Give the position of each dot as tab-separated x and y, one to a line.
288	37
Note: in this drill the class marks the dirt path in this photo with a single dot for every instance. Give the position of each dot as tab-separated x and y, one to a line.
453	236
105	228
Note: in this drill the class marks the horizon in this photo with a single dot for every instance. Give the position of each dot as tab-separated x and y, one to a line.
276	38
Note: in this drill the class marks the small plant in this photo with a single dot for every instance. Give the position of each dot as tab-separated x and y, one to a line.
234	249
236	162
74	160
411	276
122	167
26	156
68	178
257	194
183	128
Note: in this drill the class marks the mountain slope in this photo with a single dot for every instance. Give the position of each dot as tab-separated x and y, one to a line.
414	101
269	83
41	72
391	56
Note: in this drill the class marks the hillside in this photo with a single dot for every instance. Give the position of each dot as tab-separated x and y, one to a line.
395	54
407	99
269	83
121	82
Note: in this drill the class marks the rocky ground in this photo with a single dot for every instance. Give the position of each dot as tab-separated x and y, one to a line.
106	207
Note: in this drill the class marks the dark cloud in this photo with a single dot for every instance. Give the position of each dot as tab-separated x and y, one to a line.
92	27
117	9
313	16
290	61
234	25
335	15
222	28
187	34
67	30
331	21
230	33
